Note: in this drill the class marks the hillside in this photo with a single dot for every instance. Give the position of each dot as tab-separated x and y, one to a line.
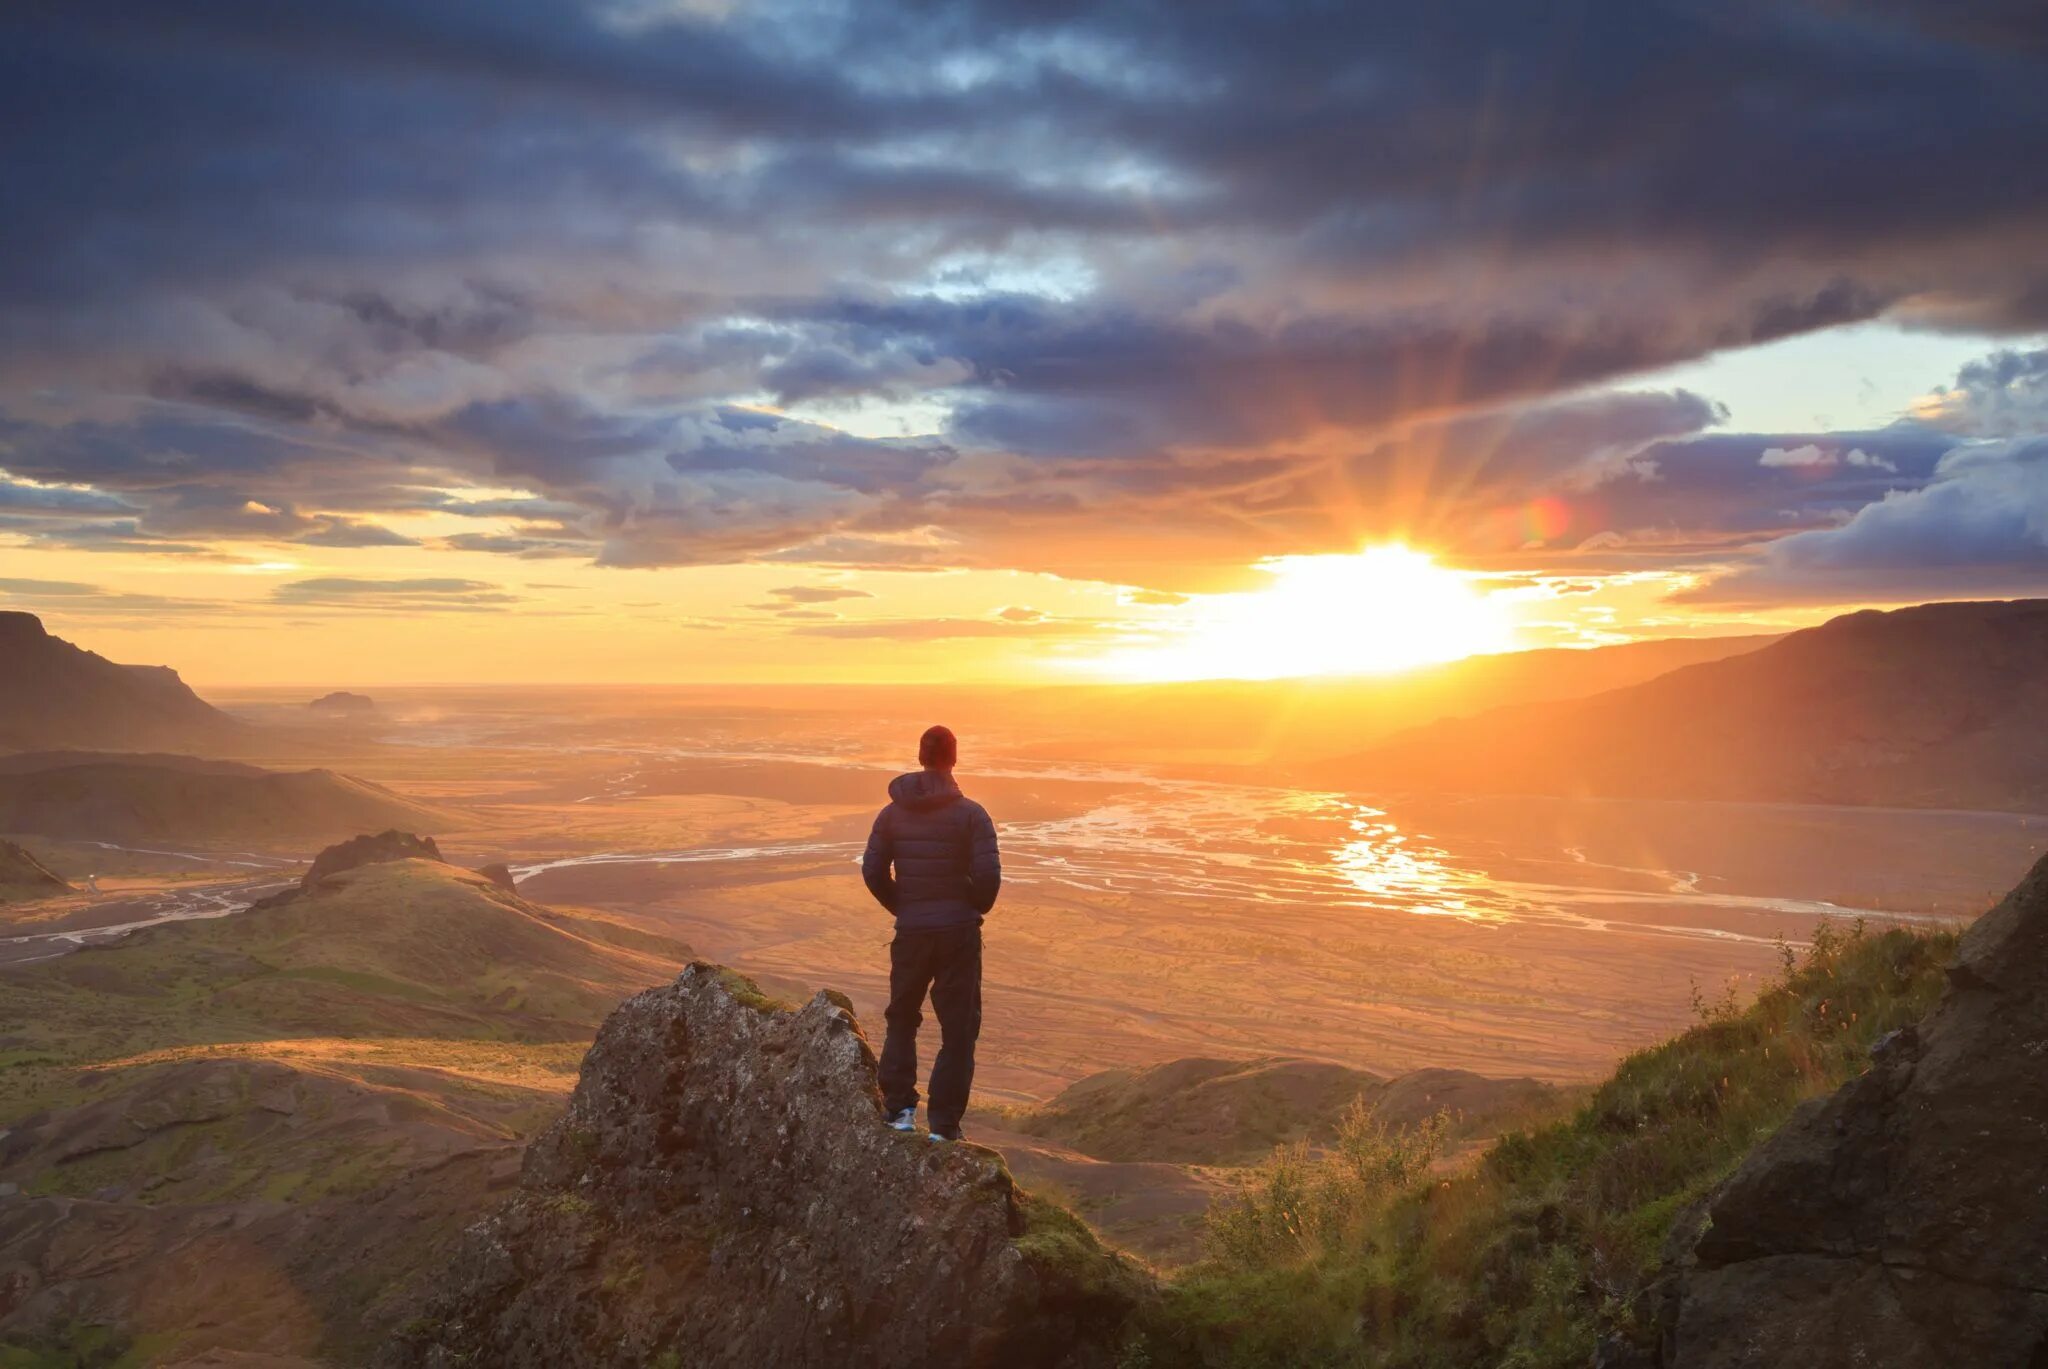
53	694
1235	722
23	876
298	1105
125	798
1233	1112
1938	706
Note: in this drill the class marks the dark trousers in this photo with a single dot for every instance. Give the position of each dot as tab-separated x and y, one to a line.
947	963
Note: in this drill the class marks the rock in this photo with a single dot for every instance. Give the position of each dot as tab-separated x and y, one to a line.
1902	1221
722	1191
357	851
499	875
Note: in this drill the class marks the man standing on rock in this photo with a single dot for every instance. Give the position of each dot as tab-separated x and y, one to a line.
932	861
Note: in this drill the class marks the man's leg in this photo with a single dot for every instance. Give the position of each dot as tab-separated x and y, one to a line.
910	975
956	998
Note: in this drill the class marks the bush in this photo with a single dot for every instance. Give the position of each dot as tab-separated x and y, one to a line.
1305	1203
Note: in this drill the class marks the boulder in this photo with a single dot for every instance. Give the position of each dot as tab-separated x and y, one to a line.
723	1190
1903	1220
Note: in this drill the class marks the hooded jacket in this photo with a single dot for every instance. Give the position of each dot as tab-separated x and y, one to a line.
931	857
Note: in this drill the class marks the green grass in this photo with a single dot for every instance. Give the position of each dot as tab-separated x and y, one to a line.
1519	1261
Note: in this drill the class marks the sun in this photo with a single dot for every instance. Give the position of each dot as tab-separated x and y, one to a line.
1386	608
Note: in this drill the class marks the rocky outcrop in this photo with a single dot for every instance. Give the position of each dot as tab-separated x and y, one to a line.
722	1191
1902	1221
353	853
500	875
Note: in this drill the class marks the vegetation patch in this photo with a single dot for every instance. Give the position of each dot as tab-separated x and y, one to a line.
1362	1256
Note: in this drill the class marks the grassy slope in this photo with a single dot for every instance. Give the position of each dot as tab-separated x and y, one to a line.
314	1065
406	963
130	798
1234	1112
1515	1261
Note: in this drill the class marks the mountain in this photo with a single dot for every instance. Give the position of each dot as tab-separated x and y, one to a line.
23	876
1238	722
114	797
243	1135
721	1191
1934	707
345	701
53	694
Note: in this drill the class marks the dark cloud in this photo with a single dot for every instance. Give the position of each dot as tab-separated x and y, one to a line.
1173	286
1979	524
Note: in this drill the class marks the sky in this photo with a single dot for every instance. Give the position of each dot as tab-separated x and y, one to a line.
688	340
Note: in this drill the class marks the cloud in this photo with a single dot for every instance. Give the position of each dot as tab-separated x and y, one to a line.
1981	523
644	284
819	594
941	629
429	594
2003	395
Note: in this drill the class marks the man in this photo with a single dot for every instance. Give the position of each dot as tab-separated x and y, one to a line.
932	861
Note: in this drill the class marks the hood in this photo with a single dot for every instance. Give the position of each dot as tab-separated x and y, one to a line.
924	789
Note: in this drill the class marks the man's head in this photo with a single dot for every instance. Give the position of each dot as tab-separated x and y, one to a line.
938	749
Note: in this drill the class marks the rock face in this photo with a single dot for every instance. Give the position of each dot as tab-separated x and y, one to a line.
500	875
357	851
1902	1221
722	1191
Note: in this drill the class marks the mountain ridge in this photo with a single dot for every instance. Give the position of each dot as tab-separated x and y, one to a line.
1934	706
54	694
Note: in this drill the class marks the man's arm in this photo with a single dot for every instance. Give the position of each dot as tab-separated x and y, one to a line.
984	861
875	862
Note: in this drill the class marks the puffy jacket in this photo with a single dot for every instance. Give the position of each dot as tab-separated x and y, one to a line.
931	858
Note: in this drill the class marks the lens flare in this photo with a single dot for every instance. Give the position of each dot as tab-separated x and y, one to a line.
1384	609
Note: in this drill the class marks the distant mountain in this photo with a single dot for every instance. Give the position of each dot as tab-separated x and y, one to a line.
1254	722
122	798
1941	706
53	694
343	702
23	876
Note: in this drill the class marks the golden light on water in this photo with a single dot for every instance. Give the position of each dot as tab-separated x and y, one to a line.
1386	608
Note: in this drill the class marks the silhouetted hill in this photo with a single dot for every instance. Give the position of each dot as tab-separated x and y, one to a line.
1236	722
1939	706
122	798
53	694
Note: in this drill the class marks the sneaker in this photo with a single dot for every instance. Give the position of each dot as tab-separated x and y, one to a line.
905	1120
948	1134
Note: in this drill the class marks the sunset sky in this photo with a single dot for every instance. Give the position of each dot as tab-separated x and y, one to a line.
687	340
